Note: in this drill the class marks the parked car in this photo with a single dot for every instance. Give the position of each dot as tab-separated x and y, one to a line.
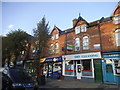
15	78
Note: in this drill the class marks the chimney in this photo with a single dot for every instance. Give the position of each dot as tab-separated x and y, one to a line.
74	21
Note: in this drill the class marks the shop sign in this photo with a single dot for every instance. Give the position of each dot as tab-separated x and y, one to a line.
69	47
82	56
51	59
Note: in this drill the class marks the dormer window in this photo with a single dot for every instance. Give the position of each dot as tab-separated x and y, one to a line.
116	19
53	37
83	28
57	36
77	29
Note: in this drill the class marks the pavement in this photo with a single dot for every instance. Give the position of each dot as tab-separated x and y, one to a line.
55	83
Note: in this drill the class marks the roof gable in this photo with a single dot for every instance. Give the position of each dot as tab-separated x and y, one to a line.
116	8
80	19
56	28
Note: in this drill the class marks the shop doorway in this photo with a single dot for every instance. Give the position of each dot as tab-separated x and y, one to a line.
79	71
98	70
108	73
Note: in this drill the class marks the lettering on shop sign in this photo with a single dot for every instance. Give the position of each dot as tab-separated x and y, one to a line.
86	56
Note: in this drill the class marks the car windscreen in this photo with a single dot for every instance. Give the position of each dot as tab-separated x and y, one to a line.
19	75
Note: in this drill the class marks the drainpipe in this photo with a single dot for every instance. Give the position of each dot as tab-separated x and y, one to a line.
101	47
66	43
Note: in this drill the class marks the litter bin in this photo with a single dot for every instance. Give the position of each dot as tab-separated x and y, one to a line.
41	80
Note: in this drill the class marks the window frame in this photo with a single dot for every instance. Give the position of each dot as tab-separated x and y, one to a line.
56	47
117	39
116	19
56	36
85	28
76	30
77	41
51	49
85	42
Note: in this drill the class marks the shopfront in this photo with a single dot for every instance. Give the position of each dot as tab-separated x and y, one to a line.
80	65
111	67
52	67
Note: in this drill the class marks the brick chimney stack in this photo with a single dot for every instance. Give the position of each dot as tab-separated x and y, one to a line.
74	21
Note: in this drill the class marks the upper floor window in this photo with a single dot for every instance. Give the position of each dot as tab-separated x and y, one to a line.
83	28
117	36
57	36
117	19
56	48
51	49
85	43
77	29
77	44
53	37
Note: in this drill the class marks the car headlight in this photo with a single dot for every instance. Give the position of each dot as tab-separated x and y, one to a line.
16	84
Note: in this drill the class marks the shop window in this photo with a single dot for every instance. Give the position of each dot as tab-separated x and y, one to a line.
85	43
69	68
56	48
77	29
116	19
83	28
117	65
117	35
87	68
77	44
109	69
51	49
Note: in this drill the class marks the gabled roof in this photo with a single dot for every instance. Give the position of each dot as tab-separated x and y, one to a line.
55	27
118	5
80	18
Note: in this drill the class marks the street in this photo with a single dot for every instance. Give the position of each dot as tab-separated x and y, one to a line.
54	83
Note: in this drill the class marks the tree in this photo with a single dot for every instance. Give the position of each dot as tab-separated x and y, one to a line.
14	43
42	35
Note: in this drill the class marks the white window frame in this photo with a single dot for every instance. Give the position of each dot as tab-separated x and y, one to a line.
51	49
96	46
56	47
85	43
117	36
83	28
116	19
77	44
53	37
57	36
77	29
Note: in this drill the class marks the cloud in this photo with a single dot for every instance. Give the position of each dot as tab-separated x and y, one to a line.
10	26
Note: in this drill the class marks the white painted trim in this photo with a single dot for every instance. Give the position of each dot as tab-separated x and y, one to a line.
87	76
92	68
70	75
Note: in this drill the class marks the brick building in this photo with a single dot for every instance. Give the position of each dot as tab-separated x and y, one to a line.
80	51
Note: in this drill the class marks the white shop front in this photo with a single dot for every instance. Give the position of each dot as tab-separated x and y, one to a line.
79	65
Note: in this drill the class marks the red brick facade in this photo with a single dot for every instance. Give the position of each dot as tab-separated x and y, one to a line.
100	32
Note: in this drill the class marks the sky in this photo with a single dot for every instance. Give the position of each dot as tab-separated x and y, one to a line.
26	15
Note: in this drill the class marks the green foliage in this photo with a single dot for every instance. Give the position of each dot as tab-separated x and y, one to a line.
42	35
14	43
